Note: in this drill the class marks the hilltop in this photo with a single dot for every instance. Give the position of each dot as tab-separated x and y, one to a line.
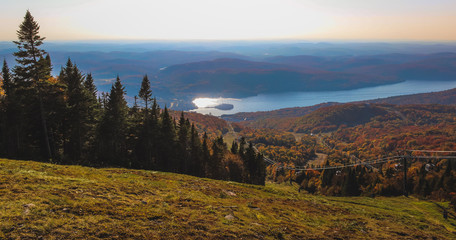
41	200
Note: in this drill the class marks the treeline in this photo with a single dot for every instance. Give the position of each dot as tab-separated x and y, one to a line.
425	179
64	120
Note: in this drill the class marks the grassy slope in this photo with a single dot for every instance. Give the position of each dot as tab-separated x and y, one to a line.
38	199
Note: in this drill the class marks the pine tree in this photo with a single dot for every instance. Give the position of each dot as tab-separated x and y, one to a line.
242	147
167	143
145	93
183	144
7	80
249	163
260	170
234	147
154	134
112	128
350	186
215	163
30	71
45	66
93	114
29	54
196	163
6	101
145	141
79	115
206	155
327	175
90	87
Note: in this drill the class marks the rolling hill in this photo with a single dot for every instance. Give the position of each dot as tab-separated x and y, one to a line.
241	78
47	201
447	97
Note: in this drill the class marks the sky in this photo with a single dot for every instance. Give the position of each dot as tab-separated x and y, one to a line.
366	20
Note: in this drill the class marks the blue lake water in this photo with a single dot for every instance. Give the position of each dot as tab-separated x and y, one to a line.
268	102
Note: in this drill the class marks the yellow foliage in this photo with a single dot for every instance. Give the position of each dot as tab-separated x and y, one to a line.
2	92
53	80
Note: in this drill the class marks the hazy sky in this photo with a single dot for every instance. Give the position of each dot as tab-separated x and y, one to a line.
235	19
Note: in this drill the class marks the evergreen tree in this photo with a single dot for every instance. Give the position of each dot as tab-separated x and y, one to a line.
145	93
196	163
260	170
135	138
234	147
112	128
7	80
183	140
327	175
154	135
143	145
167	143
29	54
93	114
5	112
242	147
350	186
90	87
30	72
249	163
45	66
206	155
218	153
78	115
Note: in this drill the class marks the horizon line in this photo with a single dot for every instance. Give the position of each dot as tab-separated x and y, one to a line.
244	40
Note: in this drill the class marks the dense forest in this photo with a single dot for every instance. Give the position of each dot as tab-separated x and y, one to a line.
63	119
350	134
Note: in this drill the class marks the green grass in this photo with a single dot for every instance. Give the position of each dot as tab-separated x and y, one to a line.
73	202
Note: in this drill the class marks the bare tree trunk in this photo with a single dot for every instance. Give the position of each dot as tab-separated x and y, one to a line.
43	122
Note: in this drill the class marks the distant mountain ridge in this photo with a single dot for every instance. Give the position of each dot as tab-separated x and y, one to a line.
271	119
181	71
232	77
241	78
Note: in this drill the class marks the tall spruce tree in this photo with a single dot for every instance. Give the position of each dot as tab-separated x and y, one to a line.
7	80
183	157
93	114
145	93
29	54
79	104
350	186
196	164
30	70
218	152
260	170
234	147
206	155
144	143
112	128
167	144
249	163
5	112
90	87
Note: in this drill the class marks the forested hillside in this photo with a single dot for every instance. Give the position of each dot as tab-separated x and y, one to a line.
62	119
372	140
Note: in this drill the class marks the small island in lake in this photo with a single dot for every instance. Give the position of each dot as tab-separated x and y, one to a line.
224	106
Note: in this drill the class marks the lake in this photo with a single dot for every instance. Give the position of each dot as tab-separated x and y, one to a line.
268	102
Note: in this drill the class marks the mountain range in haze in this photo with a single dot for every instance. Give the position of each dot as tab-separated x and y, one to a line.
180	71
